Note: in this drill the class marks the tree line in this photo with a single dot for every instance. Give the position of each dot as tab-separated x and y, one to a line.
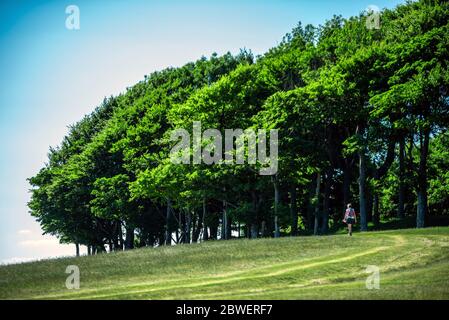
362	115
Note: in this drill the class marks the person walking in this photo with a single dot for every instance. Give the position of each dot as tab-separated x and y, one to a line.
350	218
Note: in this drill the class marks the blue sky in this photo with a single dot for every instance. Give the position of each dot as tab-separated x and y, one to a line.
51	76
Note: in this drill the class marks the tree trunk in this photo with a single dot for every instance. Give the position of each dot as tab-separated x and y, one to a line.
167	224
317	205
362	190
129	243
100	248
293	211
77	248
193	223
376	214
183	220
401	203
263	229
228	227
142	241
422	179
115	240
120	235
254	231
181	227
213	232
276	204
310	206
205	231
327	193
160	240
224	223
369	196
199	227
188	225
253	227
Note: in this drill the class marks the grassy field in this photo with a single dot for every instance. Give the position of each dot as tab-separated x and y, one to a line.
414	264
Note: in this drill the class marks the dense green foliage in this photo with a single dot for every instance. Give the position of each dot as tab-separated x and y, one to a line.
362	116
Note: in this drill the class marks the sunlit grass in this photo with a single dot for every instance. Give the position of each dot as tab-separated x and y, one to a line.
414	264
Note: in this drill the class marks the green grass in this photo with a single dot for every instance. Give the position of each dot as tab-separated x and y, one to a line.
414	264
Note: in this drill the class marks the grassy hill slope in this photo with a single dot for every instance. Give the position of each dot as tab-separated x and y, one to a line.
414	264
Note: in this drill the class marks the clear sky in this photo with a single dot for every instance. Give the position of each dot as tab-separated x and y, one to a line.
51	76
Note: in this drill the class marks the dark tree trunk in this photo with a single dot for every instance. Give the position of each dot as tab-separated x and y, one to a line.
310	205
129	243
276	204
254	227
116	245
317	205
182	226
160	240
376	214
193	224
422	179
100	249
142	241
326	199
120	235
213	232
188	224
77	248
263	229
410	166
224	222
228	227
167	224
293	211
362	190
401	204
369	204
254	231
115	240
205	231
199	227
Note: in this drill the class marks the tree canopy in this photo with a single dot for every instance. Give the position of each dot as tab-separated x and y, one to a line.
362	117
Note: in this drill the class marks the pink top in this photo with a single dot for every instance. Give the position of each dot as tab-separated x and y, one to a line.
350	213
